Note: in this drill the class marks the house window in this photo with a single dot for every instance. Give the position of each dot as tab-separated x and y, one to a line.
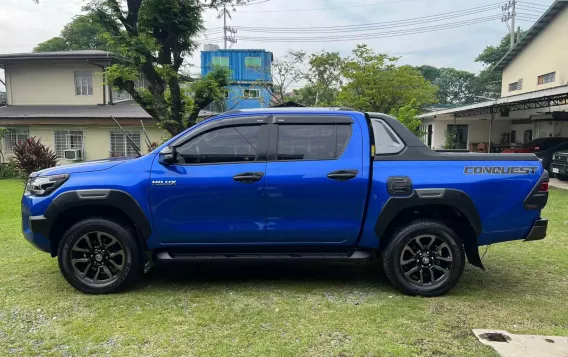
251	93
120	145
67	139
120	95
253	61
13	137
220	61
547	78
83	83
518	85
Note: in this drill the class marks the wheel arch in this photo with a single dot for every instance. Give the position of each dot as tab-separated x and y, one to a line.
450	206
72	206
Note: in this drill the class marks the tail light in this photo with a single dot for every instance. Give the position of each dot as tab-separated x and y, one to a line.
538	197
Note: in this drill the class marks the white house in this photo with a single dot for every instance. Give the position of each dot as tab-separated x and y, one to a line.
534	94
61	98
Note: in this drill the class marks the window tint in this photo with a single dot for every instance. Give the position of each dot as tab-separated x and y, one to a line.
233	144
386	141
220	61
253	61
312	142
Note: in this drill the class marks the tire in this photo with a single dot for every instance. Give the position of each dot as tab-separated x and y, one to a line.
111	267
403	268
561	177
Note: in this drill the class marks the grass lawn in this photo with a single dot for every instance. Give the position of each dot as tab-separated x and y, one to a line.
278	310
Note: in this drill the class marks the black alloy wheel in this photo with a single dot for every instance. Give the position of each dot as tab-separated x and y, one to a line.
426	260
97	258
425	257
100	256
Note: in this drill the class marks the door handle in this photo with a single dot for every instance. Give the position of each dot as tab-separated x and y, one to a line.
248	177
343	175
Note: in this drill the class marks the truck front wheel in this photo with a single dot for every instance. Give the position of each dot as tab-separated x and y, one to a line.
99	256
424	258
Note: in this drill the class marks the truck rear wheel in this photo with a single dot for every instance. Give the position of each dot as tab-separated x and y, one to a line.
424	258
99	256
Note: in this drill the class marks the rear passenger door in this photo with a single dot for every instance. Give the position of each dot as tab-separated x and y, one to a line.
315	186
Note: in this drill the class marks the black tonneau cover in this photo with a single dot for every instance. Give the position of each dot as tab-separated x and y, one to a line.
416	150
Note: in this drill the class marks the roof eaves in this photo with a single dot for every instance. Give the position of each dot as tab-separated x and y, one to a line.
533	32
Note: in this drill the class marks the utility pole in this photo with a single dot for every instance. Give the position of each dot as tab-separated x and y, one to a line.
228	38
225	26
509	13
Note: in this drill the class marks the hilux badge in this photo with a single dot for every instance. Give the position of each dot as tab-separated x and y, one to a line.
163	183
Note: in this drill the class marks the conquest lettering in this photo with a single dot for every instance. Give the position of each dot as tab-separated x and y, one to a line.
499	170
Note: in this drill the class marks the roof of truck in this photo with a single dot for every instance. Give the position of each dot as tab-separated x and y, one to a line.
286	110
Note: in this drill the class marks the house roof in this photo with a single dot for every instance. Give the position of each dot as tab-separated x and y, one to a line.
503	102
94	55
123	110
533	32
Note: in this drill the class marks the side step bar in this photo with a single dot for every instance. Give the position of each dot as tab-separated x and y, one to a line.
172	256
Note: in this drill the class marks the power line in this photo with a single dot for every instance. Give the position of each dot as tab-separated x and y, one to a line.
530	8
333	7
532	3
417	30
367	27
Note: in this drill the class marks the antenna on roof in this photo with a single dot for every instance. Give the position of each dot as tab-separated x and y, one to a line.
134	146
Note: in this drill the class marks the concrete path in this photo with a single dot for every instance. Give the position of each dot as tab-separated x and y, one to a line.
509	345
554	182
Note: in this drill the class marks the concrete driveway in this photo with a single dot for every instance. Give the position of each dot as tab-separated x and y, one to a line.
554	182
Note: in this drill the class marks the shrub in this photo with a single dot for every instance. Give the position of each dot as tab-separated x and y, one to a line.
10	170
31	155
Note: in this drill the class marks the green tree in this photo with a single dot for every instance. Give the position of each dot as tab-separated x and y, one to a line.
324	78
83	33
488	82
407	116
374	82
454	86
154	36
284	71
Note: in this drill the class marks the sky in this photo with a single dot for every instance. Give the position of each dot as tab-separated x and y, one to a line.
24	24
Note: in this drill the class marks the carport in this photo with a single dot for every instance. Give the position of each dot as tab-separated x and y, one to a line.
520	109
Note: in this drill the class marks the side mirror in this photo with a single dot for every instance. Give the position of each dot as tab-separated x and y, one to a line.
168	155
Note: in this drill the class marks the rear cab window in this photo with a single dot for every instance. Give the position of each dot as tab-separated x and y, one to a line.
312	141
386	140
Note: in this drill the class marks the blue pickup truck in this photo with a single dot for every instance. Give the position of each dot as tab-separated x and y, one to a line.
286	184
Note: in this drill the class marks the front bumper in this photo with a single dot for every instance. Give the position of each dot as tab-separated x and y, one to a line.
538	230
559	168
32	228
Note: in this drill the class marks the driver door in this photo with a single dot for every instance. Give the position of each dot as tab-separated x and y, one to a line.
215	191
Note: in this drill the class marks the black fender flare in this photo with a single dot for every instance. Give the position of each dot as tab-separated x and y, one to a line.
435	196
98	197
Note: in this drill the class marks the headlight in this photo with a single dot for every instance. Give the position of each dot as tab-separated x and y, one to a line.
43	185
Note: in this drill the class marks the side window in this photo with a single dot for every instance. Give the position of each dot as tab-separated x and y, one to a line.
312	142
386	141
229	144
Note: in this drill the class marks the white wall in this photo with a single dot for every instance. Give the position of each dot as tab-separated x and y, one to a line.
478	129
48	83
96	138
546	53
